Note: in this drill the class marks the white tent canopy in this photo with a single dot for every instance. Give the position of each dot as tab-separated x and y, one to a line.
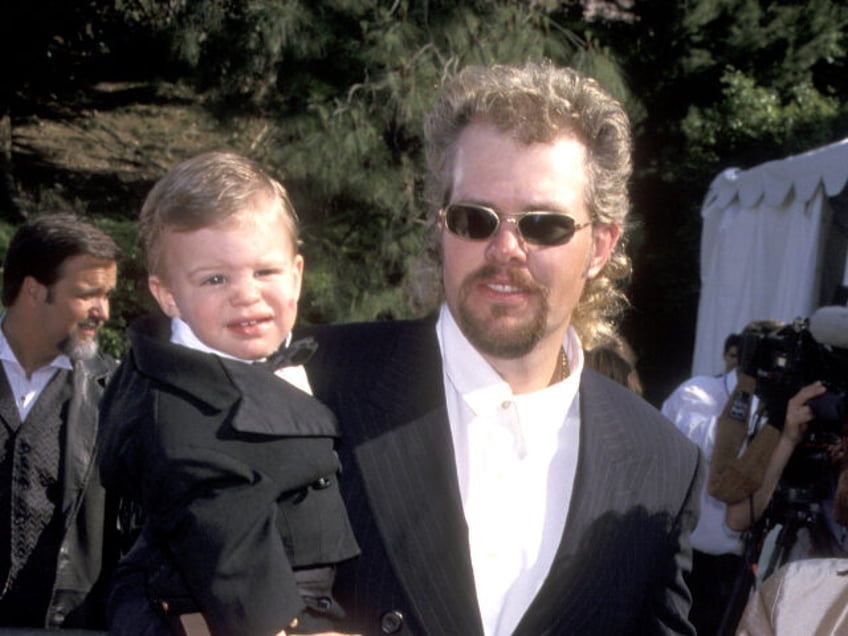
762	245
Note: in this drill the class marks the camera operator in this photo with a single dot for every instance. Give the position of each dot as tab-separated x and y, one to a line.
794	446
807	596
748	482
788	487
734	477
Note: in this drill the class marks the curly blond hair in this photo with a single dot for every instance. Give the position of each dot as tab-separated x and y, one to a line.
538	103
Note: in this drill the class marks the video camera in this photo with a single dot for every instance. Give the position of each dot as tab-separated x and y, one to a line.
783	360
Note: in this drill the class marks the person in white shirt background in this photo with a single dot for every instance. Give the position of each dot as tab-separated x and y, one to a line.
694	407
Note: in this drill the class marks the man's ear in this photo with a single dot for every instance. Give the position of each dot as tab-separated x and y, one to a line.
33	290
604	239
163	295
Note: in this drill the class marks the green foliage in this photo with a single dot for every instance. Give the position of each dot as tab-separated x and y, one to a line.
753	121
691	61
724	83
131	297
708	83
731	83
6	232
351	81
718	82
354	159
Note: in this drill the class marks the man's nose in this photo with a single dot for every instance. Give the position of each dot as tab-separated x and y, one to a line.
507	244
100	309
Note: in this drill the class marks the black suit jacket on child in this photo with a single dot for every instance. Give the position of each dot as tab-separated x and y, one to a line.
237	474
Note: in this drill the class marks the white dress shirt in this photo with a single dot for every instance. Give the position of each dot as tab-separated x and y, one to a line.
516	457
695	407
182	334
27	389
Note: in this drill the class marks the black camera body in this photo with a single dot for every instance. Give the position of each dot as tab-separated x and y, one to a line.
785	359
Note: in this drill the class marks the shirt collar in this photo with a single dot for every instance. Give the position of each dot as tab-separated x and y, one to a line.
7	355
184	335
474	378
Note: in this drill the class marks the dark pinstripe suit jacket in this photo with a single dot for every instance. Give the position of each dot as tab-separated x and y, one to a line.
618	567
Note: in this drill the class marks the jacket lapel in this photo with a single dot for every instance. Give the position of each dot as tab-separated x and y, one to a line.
407	456
88	379
8	409
603	486
606	469
221	383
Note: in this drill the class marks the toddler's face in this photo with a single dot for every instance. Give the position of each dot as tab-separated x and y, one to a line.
236	285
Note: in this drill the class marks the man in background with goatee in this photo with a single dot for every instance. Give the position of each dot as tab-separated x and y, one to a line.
55	519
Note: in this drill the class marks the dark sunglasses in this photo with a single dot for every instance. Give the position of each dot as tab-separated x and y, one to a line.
479	223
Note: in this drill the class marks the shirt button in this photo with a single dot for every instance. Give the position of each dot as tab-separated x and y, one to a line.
391	622
506	404
321	483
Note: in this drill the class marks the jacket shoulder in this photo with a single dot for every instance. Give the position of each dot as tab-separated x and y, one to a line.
638	421
359	334
352	357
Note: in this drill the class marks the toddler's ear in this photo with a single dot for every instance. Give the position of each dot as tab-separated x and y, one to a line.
163	295
297	272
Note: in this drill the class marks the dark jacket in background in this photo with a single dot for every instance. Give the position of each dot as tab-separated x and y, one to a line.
89	545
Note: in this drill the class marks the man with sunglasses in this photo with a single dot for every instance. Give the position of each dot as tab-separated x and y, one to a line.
495	485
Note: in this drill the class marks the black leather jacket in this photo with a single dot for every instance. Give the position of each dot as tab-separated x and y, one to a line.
89	549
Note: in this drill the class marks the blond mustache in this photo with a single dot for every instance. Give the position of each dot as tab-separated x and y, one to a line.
516	277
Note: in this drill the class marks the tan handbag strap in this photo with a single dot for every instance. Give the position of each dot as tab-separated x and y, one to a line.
194	624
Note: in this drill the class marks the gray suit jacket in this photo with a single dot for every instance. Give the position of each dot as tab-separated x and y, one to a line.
618	569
